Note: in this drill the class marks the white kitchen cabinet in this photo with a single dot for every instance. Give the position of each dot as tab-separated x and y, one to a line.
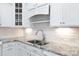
25	19
56	14
71	14
64	15
7	13
7	16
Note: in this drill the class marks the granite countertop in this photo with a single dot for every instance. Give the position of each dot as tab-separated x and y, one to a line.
34	45
55	47
63	49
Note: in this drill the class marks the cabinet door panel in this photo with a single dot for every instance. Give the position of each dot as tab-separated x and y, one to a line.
56	14
64	14
71	14
7	14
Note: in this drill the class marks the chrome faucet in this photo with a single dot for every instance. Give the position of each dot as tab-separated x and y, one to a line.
43	35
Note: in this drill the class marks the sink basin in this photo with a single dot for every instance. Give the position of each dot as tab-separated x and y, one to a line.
38	42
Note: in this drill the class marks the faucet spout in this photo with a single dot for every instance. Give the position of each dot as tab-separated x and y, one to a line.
43	35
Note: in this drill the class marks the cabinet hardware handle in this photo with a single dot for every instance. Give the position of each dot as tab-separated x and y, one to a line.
62	22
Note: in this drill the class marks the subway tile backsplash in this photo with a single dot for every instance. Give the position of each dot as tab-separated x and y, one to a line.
11	32
65	37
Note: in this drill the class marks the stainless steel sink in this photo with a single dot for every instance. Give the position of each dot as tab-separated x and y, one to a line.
38	42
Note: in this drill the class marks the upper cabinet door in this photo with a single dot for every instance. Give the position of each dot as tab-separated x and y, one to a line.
56	15
7	15
25	19
64	15
71	14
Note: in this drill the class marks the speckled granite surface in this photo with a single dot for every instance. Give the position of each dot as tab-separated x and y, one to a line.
71	49
41	51
63	49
